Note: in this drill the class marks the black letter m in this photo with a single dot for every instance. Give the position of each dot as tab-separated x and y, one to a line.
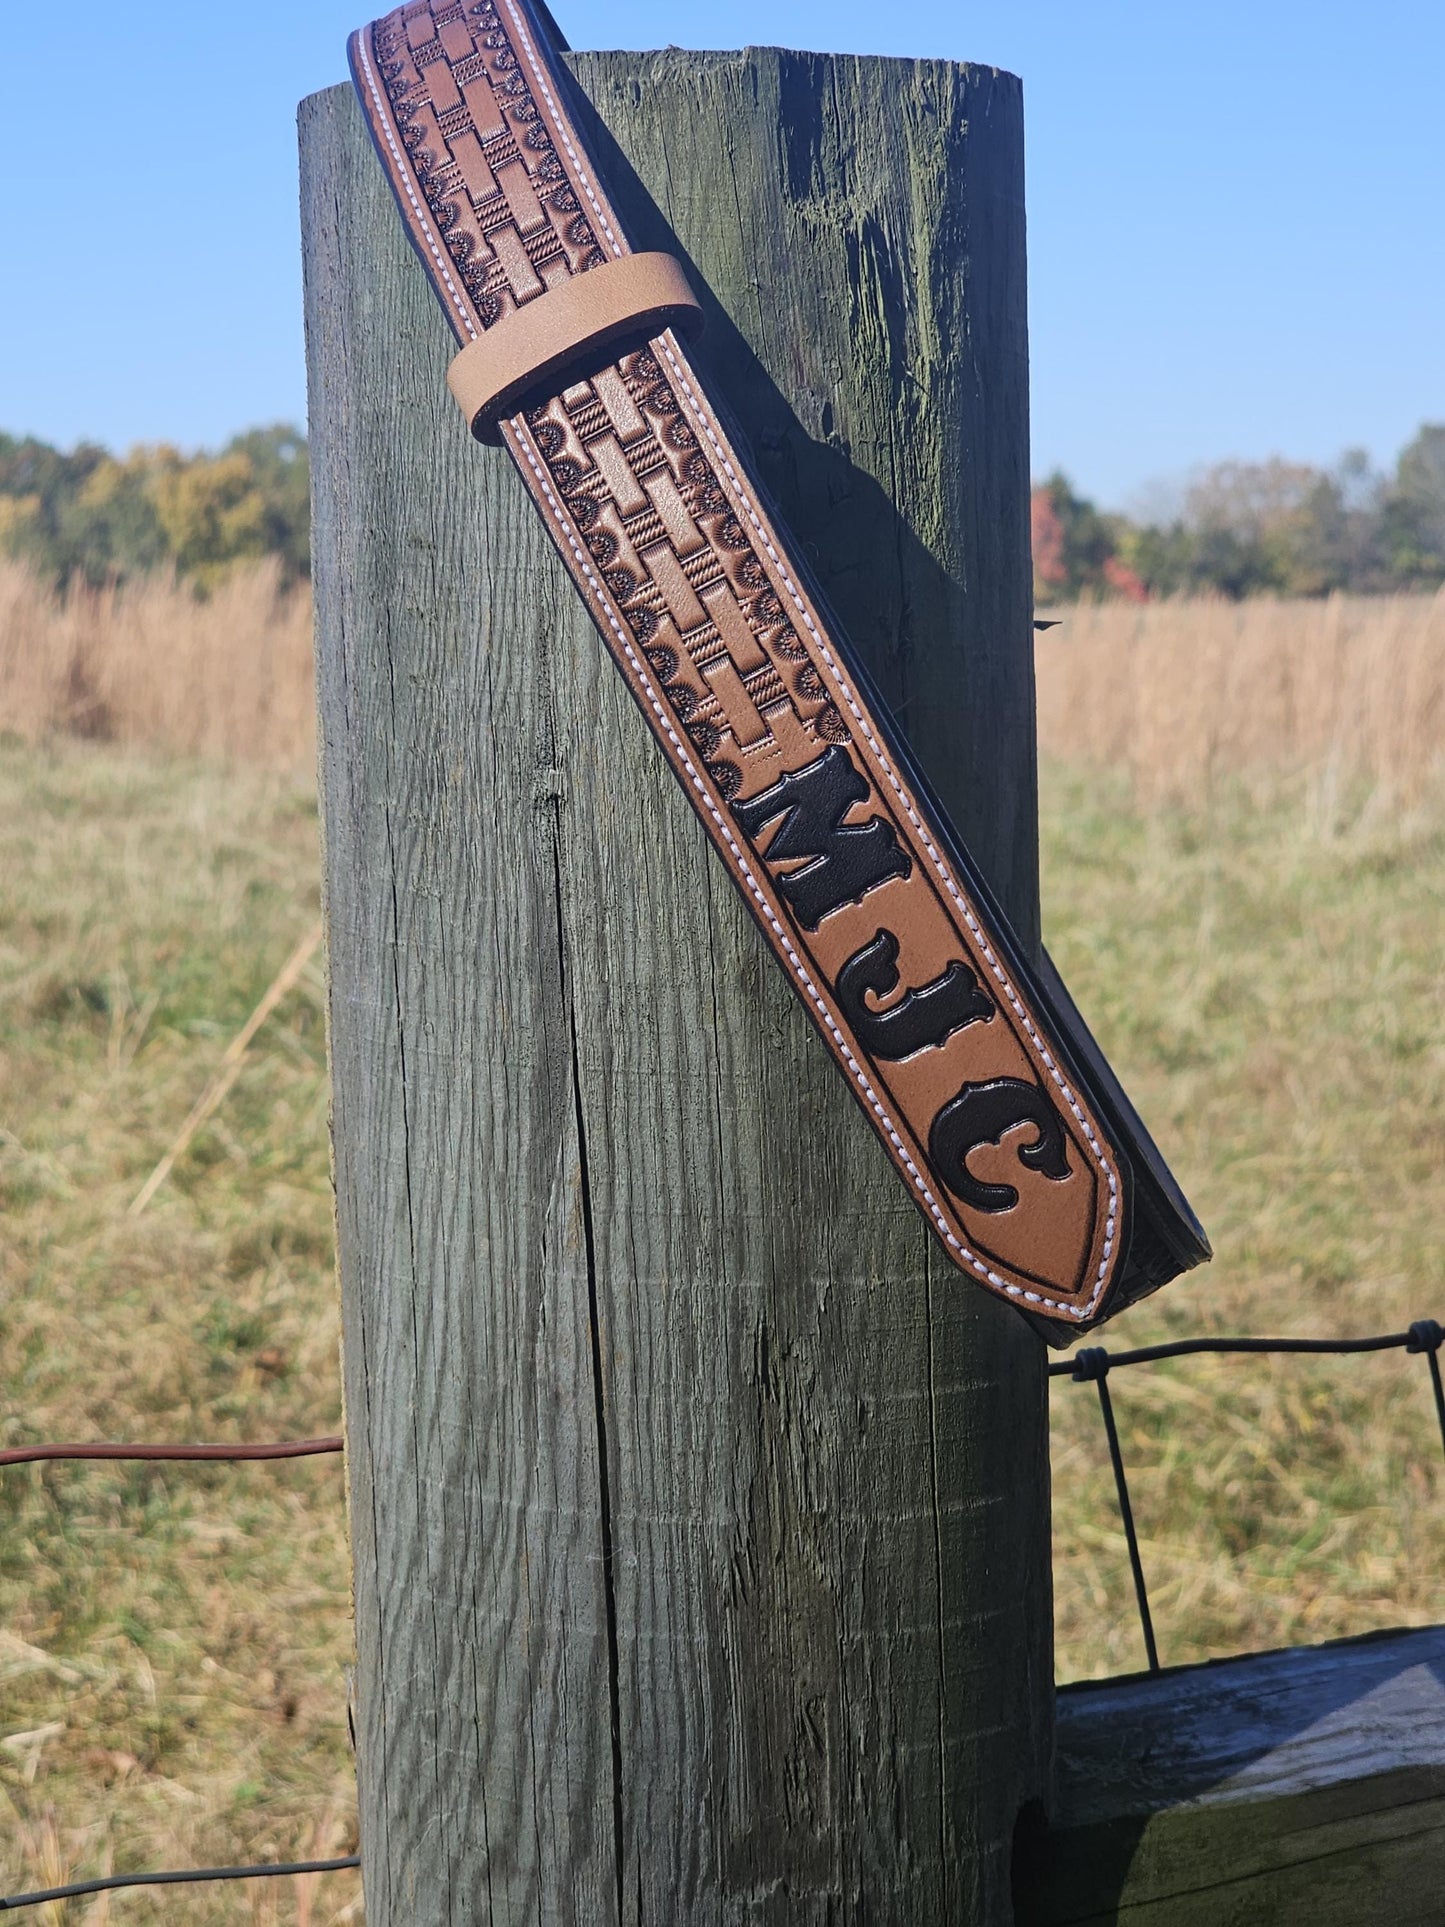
844	861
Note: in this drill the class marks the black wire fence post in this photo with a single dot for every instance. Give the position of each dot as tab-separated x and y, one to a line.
1426	1335
1093	1364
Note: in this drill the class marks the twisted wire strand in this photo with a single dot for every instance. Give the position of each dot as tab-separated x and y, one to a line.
182	1876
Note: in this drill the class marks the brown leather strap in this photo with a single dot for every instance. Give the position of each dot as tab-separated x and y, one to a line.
639	294
981	1082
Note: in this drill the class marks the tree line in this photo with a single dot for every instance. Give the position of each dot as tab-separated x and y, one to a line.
1239	529
100	517
1255	528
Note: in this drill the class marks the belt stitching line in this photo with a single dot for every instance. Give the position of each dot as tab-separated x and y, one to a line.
559	121
404	174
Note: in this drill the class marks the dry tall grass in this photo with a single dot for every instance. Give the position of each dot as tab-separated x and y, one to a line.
1181	694
150	663
1175	694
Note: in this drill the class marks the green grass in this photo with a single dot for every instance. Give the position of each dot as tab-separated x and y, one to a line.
1267	978
173	1639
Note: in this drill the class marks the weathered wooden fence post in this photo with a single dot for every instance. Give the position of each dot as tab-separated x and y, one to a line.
700	1510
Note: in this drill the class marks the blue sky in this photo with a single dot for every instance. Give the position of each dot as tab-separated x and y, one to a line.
1235	213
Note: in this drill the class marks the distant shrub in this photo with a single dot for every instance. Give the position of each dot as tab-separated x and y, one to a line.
97	518
1255	528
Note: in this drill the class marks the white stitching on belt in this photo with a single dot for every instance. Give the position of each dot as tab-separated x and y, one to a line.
559	122
404	174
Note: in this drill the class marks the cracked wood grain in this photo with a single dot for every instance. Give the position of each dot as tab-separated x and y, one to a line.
699	1509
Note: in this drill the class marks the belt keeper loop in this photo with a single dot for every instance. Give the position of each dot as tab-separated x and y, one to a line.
634	294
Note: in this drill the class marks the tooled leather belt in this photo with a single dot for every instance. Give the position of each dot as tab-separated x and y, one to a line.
973	1066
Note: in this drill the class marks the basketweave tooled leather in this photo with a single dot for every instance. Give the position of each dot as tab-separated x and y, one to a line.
980	1079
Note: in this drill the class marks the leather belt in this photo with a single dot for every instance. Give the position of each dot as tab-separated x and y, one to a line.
972	1065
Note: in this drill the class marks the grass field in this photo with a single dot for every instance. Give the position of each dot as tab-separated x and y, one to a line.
172	1639
1262	960
1272	993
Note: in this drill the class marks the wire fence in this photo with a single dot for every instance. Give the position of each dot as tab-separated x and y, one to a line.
1092	1365
225	1454
179	1877
231	1454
